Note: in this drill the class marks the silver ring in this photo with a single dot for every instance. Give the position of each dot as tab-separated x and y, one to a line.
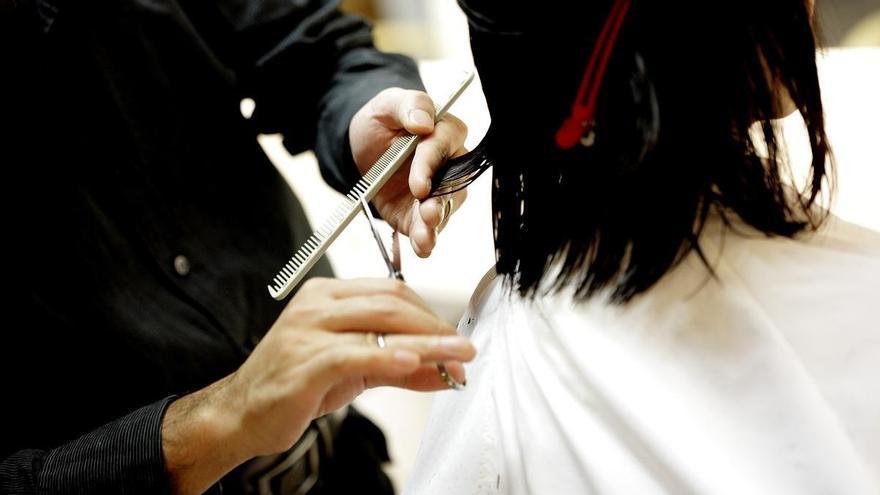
447	378
380	340
447	212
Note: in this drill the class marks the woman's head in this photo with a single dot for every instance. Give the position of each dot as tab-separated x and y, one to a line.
670	137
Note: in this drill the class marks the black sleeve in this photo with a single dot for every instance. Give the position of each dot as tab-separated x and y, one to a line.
124	456
308	67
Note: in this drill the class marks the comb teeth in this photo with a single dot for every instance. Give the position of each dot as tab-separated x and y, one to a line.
365	188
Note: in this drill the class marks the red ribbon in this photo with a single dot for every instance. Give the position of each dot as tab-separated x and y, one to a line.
583	110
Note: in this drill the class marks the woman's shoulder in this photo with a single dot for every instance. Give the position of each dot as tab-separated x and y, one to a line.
836	264
833	238
741	271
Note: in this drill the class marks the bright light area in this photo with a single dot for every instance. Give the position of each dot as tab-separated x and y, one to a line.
850	78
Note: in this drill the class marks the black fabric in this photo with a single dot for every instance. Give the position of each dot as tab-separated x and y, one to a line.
124	456
531	62
352	464
17	471
123	150
345	472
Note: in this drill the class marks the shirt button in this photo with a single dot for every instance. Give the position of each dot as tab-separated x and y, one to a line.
181	265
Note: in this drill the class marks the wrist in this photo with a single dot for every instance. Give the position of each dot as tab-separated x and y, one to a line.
202	438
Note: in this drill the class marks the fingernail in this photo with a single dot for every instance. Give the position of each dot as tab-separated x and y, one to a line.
406	358
420	117
455	344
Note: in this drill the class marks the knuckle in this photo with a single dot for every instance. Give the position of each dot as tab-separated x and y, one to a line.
421	99
314	284
384	307
336	361
380	103
306	314
313	313
436	152
458	125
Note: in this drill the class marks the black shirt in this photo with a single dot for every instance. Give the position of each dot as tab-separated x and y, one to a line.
141	219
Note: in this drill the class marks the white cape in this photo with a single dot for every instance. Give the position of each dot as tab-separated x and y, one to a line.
765	380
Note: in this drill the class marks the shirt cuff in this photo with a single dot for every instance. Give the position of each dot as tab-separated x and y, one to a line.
363	73
124	456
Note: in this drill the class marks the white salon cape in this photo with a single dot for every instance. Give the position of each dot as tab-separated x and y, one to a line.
765	380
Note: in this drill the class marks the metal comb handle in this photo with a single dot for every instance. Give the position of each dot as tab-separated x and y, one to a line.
366	188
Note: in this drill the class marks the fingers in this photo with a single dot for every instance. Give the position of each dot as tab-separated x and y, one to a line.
422	238
435	212
426	378
341	363
429	218
446	141
416	113
378	313
319	287
409	362
413	111
397	108
394	368
432	211
456	369
452	351
433	348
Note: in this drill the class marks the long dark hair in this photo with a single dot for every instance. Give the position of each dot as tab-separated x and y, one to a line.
684	86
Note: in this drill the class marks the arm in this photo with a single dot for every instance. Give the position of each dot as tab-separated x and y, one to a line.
314	360
308	67
317	78
122	456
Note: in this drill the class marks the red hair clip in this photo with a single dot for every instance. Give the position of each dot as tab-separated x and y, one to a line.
583	110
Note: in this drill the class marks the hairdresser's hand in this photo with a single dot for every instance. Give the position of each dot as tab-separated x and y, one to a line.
403	201
316	358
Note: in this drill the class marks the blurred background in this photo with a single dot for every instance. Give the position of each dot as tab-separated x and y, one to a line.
434	32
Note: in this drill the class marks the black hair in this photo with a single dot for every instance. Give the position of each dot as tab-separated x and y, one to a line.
685	84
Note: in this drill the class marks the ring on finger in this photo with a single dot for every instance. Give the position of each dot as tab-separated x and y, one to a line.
447	212
447	378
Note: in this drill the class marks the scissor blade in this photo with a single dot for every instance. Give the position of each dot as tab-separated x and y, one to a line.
388	263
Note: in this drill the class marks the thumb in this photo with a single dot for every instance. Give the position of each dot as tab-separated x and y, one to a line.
415	112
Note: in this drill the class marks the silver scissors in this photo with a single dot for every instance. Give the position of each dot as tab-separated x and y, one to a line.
392	261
